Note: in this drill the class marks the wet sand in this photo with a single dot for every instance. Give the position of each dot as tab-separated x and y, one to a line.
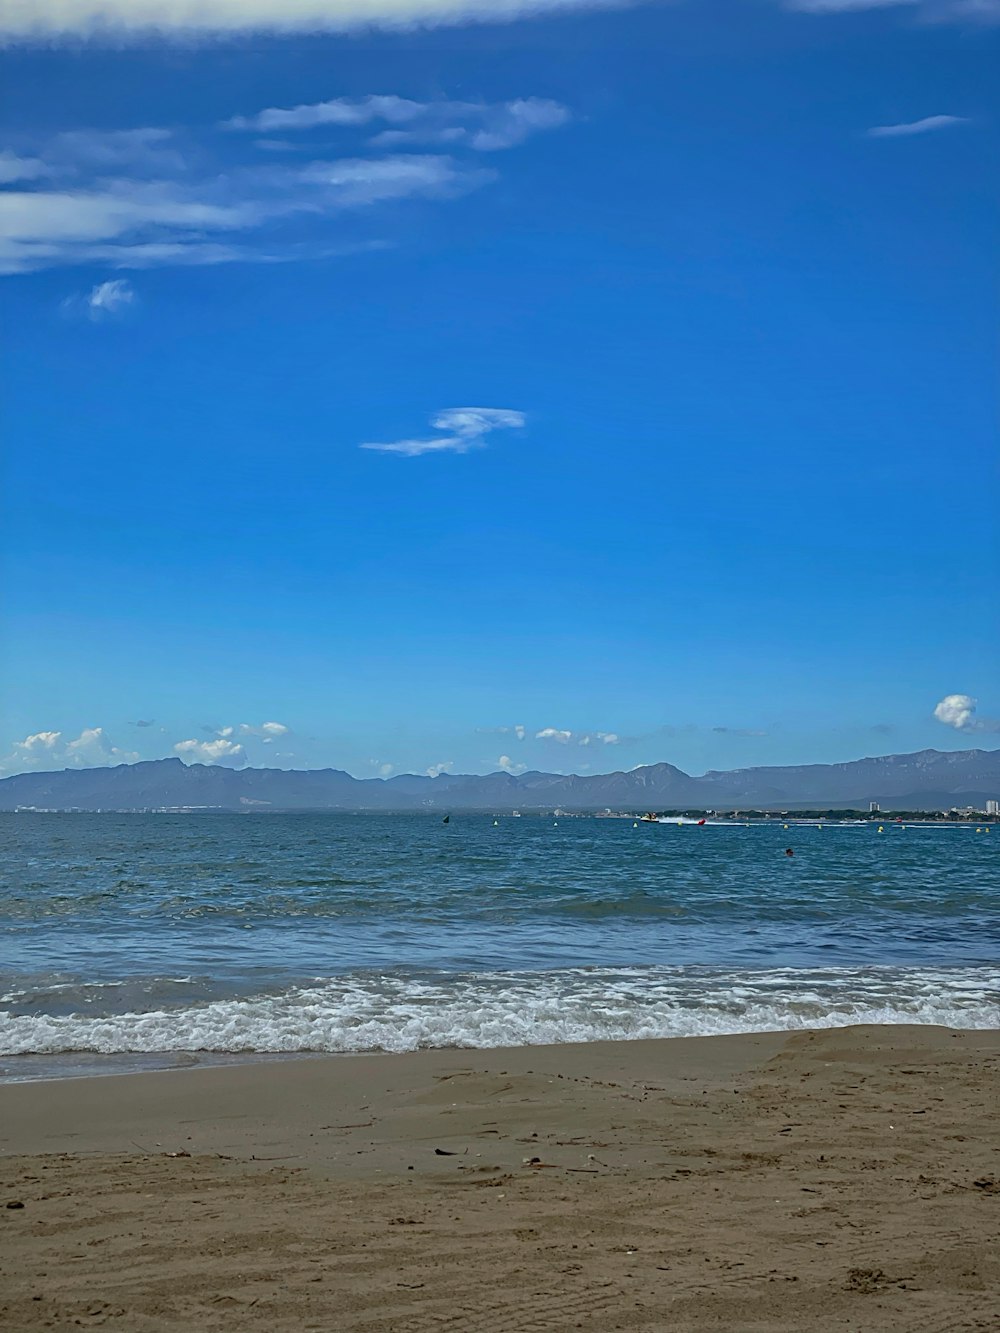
846	1180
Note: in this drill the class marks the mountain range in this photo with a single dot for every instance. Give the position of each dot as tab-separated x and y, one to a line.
927	780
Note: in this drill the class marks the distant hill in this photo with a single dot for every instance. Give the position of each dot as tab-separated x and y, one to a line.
927	780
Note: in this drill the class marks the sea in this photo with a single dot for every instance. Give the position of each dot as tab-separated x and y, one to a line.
151	941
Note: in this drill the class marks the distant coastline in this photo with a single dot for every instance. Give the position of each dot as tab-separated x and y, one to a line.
959	785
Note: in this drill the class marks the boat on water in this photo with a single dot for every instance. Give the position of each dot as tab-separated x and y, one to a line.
685	819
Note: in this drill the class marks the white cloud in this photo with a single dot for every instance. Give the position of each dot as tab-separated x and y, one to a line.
103	301
483	126
112	21
92	748
519	732
212	752
130	222
507	764
339	111
40	740
959	711
48	749
554	734
269	730
513	122
138	198
112	296
382	769
956	710
465	428
599	737
924	126
436	770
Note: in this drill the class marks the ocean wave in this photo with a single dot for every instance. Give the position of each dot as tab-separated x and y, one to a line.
405	1012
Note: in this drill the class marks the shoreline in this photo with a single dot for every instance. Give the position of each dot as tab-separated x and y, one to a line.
832	1178
148	1063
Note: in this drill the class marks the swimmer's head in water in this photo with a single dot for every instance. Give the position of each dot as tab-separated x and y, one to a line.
789	852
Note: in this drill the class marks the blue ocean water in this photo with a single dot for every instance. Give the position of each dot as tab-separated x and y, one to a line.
162	935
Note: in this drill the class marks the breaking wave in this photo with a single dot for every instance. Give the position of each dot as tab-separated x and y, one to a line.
405	1012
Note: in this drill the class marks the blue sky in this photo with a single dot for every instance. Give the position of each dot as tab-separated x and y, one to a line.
683	379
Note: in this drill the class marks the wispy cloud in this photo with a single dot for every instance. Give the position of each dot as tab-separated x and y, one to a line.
153	196
109	298
436	770
218	751
925	126
935	11
133	221
738	731
518	731
15	168
464	428
959	711
102	302
483	126
117	20
563	737
151	149
337	111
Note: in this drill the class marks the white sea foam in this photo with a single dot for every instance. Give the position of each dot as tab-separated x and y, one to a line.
402	1013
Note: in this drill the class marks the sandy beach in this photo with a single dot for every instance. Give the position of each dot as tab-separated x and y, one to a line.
845	1179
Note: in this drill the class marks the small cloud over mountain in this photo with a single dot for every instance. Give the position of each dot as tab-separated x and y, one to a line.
50	749
218	751
959	711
